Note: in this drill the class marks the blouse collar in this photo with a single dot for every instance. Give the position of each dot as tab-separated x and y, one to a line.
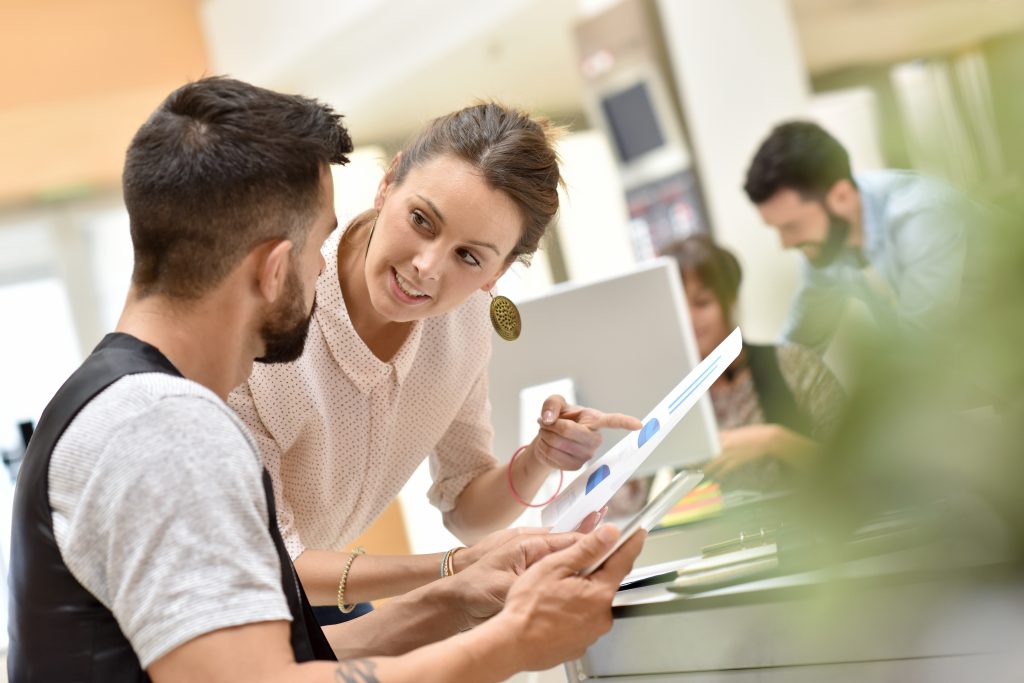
350	352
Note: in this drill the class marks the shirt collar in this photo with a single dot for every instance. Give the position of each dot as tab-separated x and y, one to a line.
350	352
870	216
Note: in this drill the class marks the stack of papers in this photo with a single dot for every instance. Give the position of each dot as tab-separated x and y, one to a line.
704	501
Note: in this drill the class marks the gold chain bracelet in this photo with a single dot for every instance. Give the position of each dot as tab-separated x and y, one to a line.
345	609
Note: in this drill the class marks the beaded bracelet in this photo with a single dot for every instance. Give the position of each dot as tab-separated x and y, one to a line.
345	609
447	562
512	488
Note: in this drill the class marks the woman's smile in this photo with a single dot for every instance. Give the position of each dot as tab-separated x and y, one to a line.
404	291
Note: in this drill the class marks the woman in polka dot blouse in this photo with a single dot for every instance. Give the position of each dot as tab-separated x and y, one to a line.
395	364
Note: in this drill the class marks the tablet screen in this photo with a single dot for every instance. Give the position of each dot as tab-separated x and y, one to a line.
651	514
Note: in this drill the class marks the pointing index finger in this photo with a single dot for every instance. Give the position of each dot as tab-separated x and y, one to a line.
617	421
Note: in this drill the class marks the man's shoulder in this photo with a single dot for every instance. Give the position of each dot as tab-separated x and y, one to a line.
148	414
142	437
150	397
903	191
157	498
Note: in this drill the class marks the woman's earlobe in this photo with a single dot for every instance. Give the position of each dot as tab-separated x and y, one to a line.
493	283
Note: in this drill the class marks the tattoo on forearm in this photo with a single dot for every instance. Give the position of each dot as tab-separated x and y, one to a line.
356	671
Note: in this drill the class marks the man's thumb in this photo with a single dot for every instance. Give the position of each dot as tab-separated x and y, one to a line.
587	550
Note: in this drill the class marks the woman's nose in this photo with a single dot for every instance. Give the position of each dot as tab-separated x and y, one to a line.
428	263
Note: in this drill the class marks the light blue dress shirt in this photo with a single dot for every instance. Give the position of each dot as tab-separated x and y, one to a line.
915	243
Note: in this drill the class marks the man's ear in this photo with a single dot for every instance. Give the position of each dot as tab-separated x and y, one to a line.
272	269
385	183
842	198
489	285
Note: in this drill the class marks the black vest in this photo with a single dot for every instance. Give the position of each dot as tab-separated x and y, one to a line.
777	401
58	630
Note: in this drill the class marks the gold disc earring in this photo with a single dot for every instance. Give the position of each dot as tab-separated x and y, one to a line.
505	318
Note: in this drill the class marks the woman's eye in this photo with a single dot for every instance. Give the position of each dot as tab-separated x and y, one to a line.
420	221
467	257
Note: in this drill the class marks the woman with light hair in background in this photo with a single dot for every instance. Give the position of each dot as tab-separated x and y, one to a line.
395	366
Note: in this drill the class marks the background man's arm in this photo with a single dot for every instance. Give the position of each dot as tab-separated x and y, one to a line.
932	252
815	312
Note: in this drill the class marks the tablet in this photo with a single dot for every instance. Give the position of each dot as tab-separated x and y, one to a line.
658	507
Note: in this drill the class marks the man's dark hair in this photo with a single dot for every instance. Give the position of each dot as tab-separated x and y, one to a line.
218	168
800	156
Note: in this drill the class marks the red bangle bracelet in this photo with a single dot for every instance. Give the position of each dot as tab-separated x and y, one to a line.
512	488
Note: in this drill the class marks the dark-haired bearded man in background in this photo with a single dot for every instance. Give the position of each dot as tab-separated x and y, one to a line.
901	242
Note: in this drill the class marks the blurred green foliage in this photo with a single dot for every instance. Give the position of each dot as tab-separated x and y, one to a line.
936	420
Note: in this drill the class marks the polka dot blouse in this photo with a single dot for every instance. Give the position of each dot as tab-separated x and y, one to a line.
341	431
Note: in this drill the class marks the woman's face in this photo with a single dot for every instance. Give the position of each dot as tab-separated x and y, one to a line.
440	236
709	323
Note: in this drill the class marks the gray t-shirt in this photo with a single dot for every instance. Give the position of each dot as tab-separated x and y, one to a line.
159	511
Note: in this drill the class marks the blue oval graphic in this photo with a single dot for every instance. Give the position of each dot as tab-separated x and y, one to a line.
649	430
599	475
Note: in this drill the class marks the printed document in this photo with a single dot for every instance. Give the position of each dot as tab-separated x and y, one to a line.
592	490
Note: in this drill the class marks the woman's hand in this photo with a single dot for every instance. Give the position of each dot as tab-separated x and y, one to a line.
744	446
570	435
467	557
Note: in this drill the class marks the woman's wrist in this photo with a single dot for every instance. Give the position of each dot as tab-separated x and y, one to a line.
531	462
456	551
530	477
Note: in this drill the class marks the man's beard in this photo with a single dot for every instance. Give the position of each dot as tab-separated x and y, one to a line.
835	240
284	333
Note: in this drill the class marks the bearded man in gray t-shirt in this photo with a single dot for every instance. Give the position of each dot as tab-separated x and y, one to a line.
144	544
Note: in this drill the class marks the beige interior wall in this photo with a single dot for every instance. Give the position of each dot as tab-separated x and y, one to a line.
387	535
79	78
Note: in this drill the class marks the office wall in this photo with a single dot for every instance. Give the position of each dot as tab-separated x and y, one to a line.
593	215
739	72
78	79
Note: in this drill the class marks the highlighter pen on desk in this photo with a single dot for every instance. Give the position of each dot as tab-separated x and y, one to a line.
745	540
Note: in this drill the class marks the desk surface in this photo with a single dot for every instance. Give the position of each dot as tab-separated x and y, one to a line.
894	617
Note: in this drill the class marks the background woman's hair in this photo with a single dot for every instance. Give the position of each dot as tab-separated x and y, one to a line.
717	268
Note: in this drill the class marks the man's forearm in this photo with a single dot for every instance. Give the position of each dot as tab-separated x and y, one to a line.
480	656
484	655
260	653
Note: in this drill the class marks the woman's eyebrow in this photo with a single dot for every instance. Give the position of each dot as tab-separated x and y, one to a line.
486	245
433	207
440	218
